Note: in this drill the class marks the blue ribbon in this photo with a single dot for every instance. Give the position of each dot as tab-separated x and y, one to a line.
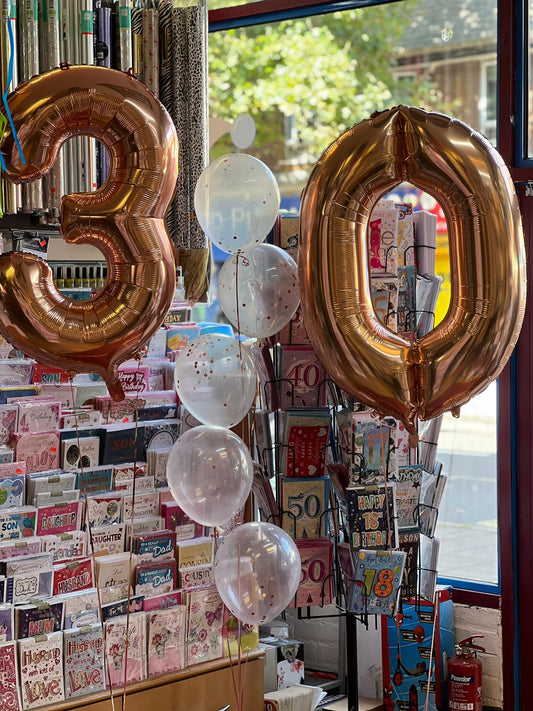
4	96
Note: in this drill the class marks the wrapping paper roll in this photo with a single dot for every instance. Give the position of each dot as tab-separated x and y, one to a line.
66	53
103	58
136	38
124	38
49	43
28	36
166	89
190	114
86	56
151	50
11	198
103	35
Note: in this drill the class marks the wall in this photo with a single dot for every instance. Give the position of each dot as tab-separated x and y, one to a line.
321	645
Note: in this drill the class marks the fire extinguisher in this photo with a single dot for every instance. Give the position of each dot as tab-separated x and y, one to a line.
464	677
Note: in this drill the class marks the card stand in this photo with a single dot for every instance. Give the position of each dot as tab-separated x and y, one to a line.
388	257
321	386
431	315
419	600
269	395
281	514
279	384
434	517
308	615
336	394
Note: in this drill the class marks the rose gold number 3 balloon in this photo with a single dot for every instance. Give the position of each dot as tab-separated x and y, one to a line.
468	349
124	219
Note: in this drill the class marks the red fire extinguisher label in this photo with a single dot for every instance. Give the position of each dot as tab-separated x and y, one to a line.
462	692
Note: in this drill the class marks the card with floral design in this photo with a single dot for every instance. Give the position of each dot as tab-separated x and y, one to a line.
204	631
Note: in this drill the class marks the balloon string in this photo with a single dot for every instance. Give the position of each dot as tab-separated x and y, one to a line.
238	304
107	671
126	647
4	97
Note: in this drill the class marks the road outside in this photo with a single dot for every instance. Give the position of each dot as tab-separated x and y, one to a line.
467	525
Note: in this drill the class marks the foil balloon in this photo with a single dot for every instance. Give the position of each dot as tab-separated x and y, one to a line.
468	349
124	219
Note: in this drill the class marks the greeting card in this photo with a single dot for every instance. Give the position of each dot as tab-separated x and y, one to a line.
18	522
9	686
73	576
32	620
378	576
38	415
106	540
84	661
41	670
305	503
316	579
39	450
305	441
205	621
166	640
372	516
155	578
302	381
103	509
117	630
60	518
8	422
12	491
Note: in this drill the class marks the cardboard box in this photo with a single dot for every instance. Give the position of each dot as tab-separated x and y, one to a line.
289	662
406	652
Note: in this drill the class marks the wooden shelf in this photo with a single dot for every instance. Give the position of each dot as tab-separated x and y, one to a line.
202	687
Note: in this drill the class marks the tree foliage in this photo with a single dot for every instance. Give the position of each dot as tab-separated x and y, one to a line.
319	75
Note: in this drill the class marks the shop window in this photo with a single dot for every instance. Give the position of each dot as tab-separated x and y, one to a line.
307	79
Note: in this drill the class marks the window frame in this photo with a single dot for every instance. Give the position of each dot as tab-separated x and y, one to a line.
514	412
264	11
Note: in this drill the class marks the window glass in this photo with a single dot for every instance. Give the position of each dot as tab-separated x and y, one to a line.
303	82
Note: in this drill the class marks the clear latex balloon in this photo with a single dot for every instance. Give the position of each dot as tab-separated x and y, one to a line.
257	571
236	202
209	472
215	379
258	291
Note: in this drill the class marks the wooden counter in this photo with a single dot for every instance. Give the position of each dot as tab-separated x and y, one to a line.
202	687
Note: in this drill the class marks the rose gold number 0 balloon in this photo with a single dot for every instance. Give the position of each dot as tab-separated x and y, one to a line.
124	219
469	348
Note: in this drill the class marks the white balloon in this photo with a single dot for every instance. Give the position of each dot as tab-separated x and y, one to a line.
243	131
210	473
237	202
258	291
257	571
215	379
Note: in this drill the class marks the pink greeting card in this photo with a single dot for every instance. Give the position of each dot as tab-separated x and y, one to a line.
120	668
60	518
166	640
205	621
38	450
9	687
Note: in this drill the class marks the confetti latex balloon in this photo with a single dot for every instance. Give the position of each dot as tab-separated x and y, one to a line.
258	291
215	379
210	472
257	571
236	200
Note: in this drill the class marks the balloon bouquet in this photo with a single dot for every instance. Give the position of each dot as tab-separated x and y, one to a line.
210	470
